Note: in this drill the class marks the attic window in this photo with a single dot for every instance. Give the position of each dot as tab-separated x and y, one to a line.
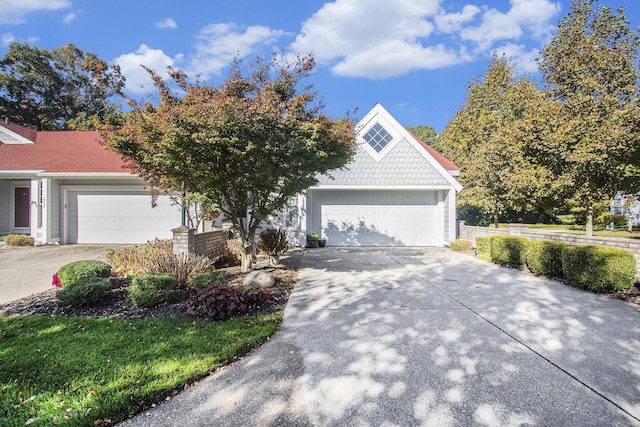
377	137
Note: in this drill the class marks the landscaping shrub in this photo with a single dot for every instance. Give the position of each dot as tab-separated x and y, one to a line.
273	242
231	255
205	280
183	267
133	260
153	289
19	240
508	250
462	245
544	258
607	218
225	301
87	268
84	290
483	245
598	268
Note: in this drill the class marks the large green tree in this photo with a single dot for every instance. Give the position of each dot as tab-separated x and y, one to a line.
248	145
483	140
62	88
590	68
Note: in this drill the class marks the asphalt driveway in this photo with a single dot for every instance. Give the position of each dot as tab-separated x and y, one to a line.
427	337
25	270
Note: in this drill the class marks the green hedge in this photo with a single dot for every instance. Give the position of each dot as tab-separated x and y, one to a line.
85	290
149	290
483	245
599	269
88	268
462	245
544	258
508	250
205	280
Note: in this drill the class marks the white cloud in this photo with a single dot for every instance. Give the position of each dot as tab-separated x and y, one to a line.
369	38
532	15
524	59
69	17
14	12
6	39
166	23
138	80
218	44
452	22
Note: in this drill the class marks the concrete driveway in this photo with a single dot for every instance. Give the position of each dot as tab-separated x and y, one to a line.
25	270
427	337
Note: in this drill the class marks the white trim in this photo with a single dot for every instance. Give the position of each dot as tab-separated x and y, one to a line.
379	187
12	206
387	126
105	175
12	138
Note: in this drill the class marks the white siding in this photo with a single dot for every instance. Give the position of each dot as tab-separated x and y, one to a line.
5	195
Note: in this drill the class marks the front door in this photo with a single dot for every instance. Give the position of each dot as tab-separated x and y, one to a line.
22	202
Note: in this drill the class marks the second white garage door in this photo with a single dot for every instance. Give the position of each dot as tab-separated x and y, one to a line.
123	217
378	218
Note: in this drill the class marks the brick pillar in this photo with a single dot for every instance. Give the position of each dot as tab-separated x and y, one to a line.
183	240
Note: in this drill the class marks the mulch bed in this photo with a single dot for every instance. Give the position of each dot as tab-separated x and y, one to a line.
118	304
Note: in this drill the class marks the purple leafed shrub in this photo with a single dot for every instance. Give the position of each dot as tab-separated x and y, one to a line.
225	301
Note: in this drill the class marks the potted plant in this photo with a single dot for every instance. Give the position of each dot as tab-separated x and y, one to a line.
312	240
322	243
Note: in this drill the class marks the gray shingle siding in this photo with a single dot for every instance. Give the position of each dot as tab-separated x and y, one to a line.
402	166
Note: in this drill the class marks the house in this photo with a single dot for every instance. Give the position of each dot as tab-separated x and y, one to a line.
397	191
65	187
626	206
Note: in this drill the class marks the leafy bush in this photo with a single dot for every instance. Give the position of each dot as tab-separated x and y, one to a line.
133	260
205	280
19	240
598	268
606	218
273	242
225	301
84	290
508	250
86	268
544	258
153	289
231	255
462	245
183	267
483	245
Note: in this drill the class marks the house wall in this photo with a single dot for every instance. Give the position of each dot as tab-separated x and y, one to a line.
470	233
447	212
404	165
5	194
96	182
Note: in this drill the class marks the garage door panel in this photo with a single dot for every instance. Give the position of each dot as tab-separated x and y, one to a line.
124	217
378	218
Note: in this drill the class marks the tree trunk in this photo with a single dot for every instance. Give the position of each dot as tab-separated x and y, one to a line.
496	219
246	257
589	228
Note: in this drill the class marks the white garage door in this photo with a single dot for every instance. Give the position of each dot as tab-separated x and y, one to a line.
378	218
108	217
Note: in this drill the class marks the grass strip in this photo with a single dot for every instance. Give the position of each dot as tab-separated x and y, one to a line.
83	371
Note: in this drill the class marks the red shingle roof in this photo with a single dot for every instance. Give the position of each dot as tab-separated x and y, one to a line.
59	151
444	162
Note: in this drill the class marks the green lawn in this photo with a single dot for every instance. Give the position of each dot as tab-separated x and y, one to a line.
81	371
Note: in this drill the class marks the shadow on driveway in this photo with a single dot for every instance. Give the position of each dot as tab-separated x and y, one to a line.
427	337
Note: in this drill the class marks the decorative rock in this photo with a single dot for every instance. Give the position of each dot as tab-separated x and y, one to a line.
259	279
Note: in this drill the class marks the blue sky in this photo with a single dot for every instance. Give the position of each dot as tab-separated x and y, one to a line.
416	57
